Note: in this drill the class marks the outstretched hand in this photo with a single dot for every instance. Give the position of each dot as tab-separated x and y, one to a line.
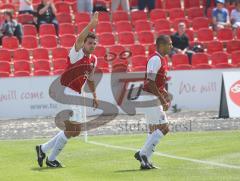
94	20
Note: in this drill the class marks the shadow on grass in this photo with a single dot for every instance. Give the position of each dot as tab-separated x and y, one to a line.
39	169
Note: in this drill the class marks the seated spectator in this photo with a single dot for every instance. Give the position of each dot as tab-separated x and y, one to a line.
10	27
220	16
180	41
235	15
124	4
85	6
230	2
46	13
143	3
25	6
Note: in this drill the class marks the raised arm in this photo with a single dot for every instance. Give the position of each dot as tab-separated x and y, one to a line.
81	37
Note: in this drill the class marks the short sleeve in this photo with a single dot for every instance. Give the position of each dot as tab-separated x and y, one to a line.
74	56
153	66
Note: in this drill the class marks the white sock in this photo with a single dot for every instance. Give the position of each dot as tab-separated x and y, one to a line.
48	145
154	140
59	145
150	143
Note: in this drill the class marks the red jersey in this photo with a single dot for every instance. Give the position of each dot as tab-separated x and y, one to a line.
80	68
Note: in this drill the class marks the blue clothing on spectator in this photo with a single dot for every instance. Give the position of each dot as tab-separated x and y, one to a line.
221	15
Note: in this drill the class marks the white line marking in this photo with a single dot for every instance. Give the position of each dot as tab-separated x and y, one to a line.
169	156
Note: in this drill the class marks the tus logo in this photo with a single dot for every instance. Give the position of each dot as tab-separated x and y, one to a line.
234	93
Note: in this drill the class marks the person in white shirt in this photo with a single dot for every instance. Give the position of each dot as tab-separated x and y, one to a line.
25	6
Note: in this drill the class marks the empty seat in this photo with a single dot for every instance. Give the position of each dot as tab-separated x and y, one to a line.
4	74
233	45
157	14
40	54
200	61
106	39
161	24
10	42
29	42
200	22
22	73
172	4
47	29
103	16
137	50
5	66
5	55
142	25
190	34
145	37
195	12
100	51
66	28
59	64
191	3
220	60
120	16
225	34
138	61
25	18
82	17
236	58
62	7
122	26
42	73
176	13
64	18
67	40
180	62
48	41
205	35
41	65
116	49
214	46
22	65
126	38
138	15
59	52
21	54
151	49
104	27
29	30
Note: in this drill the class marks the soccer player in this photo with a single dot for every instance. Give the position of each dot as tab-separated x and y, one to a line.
80	58
154	86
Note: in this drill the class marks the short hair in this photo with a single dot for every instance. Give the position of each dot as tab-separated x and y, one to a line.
90	35
162	39
8	13
181	24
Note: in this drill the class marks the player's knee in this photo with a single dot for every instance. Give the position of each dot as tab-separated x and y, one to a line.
165	129
76	133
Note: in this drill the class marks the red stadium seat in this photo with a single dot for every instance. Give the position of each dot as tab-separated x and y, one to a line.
64	18
145	37
8	6
214	46
41	65
116	49
29	30
29	42
67	41
106	39
236	58
104	27
25	18
48	41
120	16
238	33
58	71
66	28
122	26
200	22
180	62
21	54
195	12
126	38
156	14
225	34
59	53
42	73
10	42
47	29
139	61
5	55
119	67
62	7
163	32
233	45
151	49
220	60
81	17
22	65
100	51
81	26
172	4
162	24
138	15
103	16
176	13
200	61
102	64
137	50
190	34
40	54
205	35
191	3
142	25
59	64
5	66
4	74
22	73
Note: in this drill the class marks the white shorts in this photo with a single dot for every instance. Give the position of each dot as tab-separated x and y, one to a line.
154	115
78	110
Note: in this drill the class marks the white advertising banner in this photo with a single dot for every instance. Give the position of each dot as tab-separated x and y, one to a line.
28	97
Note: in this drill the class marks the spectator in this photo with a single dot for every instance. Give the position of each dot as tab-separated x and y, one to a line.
235	15
230	2
180	42
85	6
46	13
124	4
220	16
10	27
209	3
25	6
143	3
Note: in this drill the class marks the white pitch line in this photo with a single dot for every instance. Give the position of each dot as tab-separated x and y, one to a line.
169	156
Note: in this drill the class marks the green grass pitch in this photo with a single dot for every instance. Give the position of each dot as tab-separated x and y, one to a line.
86	161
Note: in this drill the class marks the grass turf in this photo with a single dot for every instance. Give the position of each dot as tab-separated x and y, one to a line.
85	161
